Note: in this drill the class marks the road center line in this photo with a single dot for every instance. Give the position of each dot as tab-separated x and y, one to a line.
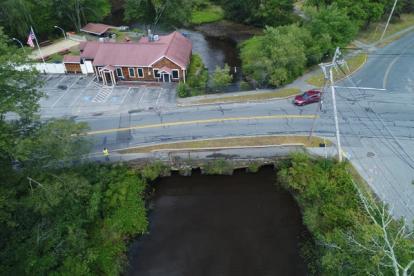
214	120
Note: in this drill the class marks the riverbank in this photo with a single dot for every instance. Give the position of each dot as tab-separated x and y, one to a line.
338	211
220	225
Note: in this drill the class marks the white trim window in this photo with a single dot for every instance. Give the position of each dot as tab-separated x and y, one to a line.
156	72
119	72
175	73
140	72
131	72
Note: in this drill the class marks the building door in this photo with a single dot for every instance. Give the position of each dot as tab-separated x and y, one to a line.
166	77
108	78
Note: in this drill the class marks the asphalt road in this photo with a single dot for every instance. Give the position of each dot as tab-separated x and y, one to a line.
377	127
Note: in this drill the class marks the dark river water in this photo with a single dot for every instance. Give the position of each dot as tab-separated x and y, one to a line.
220	225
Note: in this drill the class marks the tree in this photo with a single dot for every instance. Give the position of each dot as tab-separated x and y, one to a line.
275	58
221	77
259	13
388	240
333	24
42	15
154	12
20	94
354	234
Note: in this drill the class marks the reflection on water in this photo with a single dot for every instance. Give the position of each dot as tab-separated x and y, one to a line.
220	225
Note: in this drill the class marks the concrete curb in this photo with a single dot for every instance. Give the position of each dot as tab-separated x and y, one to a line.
232	102
212	139
355	71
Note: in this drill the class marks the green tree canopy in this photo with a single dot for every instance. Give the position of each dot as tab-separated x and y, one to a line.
260	13
16	16
154	12
275	58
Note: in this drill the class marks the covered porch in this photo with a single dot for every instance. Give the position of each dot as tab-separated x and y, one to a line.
107	75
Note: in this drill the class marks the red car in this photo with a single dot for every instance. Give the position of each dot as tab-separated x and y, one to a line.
310	96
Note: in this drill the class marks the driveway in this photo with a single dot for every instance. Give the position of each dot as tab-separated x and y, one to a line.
53	49
80	95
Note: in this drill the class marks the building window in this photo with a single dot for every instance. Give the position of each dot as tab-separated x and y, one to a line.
140	72
175	74
156	73
119	73
131	72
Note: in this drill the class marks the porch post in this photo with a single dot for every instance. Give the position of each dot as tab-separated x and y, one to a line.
184	75
113	78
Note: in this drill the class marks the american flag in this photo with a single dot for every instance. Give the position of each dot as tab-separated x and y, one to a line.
30	38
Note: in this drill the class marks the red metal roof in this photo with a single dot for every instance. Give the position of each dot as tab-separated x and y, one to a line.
71	59
96	28
174	47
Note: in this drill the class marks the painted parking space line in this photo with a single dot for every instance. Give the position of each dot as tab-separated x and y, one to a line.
205	121
126	94
89	83
142	96
64	93
159	96
57	84
77	97
48	78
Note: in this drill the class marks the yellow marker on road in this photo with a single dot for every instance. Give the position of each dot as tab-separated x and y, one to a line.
205	121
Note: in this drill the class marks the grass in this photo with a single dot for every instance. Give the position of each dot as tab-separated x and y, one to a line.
283	93
210	14
374	31
231	142
354	63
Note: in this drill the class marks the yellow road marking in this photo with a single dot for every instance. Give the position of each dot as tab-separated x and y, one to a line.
205	121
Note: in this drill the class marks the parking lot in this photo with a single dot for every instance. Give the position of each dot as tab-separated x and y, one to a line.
74	95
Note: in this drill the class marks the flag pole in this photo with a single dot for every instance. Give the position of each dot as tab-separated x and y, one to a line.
37	44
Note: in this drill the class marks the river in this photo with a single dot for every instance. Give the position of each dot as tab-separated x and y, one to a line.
220	225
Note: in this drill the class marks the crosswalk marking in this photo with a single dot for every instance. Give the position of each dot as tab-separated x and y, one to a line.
103	94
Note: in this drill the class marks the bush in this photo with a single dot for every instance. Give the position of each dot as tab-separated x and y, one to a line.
197	76
219	166
221	77
347	241
183	90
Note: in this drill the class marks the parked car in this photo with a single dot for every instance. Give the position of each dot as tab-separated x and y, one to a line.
310	96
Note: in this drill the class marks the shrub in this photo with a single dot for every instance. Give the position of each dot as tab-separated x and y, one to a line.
219	166
183	90
221	77
197	76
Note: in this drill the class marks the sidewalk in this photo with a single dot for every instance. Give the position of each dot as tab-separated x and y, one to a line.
53	49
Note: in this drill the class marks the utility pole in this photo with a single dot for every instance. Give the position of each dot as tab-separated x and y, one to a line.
328	72
389	19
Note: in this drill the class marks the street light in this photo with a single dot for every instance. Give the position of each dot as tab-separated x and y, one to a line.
18	41
63	31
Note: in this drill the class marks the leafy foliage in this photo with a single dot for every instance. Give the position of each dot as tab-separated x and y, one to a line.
197	77
44	14
154	12
221	77
75	222
259	13
275	58
333	212
57	218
